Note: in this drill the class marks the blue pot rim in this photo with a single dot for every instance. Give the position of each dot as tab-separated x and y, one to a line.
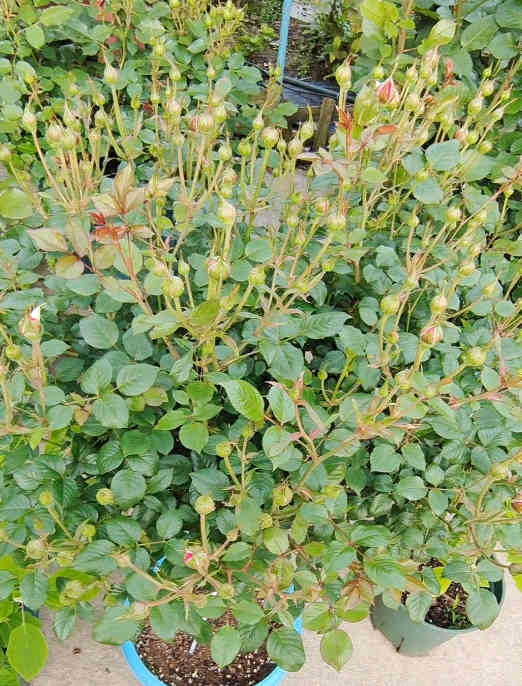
147	678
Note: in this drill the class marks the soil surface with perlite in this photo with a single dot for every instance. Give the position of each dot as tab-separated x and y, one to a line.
173	664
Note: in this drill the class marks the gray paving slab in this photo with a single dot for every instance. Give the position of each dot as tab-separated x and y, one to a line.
483	658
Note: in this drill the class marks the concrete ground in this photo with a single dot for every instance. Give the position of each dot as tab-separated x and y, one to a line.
482	658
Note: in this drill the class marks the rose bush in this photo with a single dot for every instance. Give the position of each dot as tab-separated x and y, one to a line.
269	379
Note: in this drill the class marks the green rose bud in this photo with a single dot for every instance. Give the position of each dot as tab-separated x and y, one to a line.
226	213
74	589
257	276
269	137
204	505
439	304
390	304
46	498
282	495
224	449
453	214
500	471
227	591
335	222
64	559
265	521
13	352
105	496
35	549
173	287
110	75
475	357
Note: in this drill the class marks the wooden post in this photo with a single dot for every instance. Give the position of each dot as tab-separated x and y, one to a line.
325	119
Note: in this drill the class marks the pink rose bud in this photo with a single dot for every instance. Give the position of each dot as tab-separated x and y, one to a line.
386	90
188	557
34	315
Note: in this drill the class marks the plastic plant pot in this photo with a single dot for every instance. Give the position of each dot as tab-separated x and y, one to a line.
416	639
147	678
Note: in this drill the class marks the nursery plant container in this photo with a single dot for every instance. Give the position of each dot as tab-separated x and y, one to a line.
416	639
147	678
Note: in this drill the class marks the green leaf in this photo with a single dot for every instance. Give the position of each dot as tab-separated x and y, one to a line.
276	540
371	535
410	406
503	46
245	399
165	620
140	588
194	436
418	605
53	348
128	487
482	608
57	15
414	456
115	627
259	250
33	590
200	392
434	475
384	459
285	647
27	650
99	332
287	362
204	314
109	457
429	192
316	616
35	36
172	420
490	379
238	552
7	584
123	530
313	513
64	623
336	648
181	368
135	379
111	411
489	570
96	558
248	515
225	646
247	612
478	34
138	346
210	482
385	572
59	416
169	524
438	501
444	156
441	34
323	325
281	405
8	676
411	488
15	204
508	15
253	637
97	377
